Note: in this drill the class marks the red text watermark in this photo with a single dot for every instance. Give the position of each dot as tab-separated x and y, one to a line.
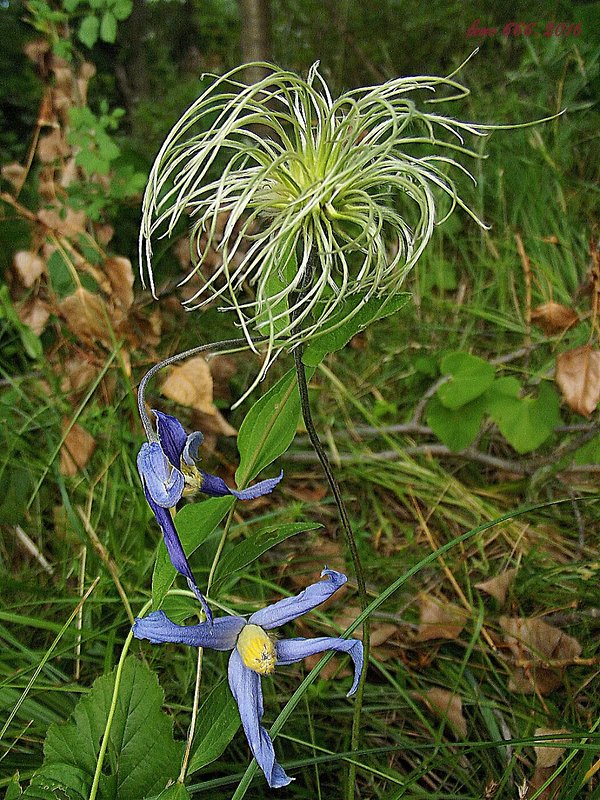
514	29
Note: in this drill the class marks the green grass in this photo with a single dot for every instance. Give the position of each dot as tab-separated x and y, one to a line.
469	294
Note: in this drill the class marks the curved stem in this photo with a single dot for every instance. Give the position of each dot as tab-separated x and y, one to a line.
216	347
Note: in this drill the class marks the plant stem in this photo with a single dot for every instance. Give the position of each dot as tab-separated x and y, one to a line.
113	708
352	547
196	701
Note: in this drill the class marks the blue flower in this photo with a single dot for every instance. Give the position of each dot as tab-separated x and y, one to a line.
255	652
168	471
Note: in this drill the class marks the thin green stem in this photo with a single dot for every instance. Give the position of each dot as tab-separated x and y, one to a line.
352	547
196	702
343	515
113	708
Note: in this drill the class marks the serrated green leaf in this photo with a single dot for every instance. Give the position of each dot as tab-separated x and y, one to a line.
108	27
142	755
88	30
59	782
525	422
60	275
194	523
268	428
456	428
218	721
338	333
470	377
254	546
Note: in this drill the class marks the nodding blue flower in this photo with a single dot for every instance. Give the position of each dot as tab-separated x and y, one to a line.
256	652
168	471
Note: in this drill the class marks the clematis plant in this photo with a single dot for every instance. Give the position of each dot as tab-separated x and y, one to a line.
327	200
167	467
255	652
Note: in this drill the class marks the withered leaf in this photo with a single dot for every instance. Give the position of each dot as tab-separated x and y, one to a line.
77	449
28	266
214	423
538	642
439	619
190	384
120	275
545	755
52	146
554	317
445	705
34	313
14	173
498	586
71	224
578	377
85	314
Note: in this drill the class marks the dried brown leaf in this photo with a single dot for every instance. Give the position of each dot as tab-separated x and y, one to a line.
52	146
445	705
439	619
77	374
578	377
77	449
36	50
538	638
14	173
104	233
120	275
498	586
547	756
71	224
34	313
86	315
213	424
28	266
554	317
538	642
190	384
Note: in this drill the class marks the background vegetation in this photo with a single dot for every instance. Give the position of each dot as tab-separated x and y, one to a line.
479	651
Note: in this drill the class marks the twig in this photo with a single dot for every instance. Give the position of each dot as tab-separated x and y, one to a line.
33	550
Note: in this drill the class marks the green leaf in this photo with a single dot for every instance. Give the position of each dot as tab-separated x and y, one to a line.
278	279
175	792
456	428
88	30
268	428
70	5
59	782
254	546
122	9
30	341
471	376
589	453
13	790
142	755
108	27
525	422
338	333
61	276
194	523
218	721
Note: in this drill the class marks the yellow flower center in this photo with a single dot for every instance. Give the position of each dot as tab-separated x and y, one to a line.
257	650
193	479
